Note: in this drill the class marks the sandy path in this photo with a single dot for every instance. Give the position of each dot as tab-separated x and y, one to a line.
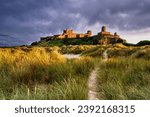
71	56
92	82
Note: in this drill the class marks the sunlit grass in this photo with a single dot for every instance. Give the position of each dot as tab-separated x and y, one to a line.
42	73
76	49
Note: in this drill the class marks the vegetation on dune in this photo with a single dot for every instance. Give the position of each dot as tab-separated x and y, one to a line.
42	73
76	49
143	43
117	50
143	53
95	52
71	41
126	74
124	79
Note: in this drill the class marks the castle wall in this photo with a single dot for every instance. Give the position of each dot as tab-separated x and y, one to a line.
70	34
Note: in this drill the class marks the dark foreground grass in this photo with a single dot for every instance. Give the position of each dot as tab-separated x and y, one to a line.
124	79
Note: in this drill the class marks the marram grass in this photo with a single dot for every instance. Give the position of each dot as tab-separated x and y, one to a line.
40	73
124	78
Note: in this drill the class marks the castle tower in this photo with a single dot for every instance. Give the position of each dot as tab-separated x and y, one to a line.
89	33
103	29
115	34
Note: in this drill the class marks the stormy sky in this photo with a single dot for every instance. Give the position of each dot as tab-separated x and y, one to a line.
28	20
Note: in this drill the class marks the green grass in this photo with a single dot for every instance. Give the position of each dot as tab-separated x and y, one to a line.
95	51
124	79
80	41
45	43
76	49
56	42
60	42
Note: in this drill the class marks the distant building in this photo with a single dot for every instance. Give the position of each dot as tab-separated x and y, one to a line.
103	37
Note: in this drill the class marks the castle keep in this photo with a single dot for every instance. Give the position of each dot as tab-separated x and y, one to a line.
102	37
107	38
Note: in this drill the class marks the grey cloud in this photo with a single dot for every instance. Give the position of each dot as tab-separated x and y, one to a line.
111	13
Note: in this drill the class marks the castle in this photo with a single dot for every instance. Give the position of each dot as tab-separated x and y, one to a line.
103	37
68	34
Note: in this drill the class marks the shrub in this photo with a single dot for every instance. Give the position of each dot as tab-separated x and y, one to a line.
143	43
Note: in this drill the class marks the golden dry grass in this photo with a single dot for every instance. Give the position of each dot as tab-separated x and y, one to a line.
23	70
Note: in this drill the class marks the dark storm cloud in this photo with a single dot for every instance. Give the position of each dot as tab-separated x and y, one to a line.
124	14
29	19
